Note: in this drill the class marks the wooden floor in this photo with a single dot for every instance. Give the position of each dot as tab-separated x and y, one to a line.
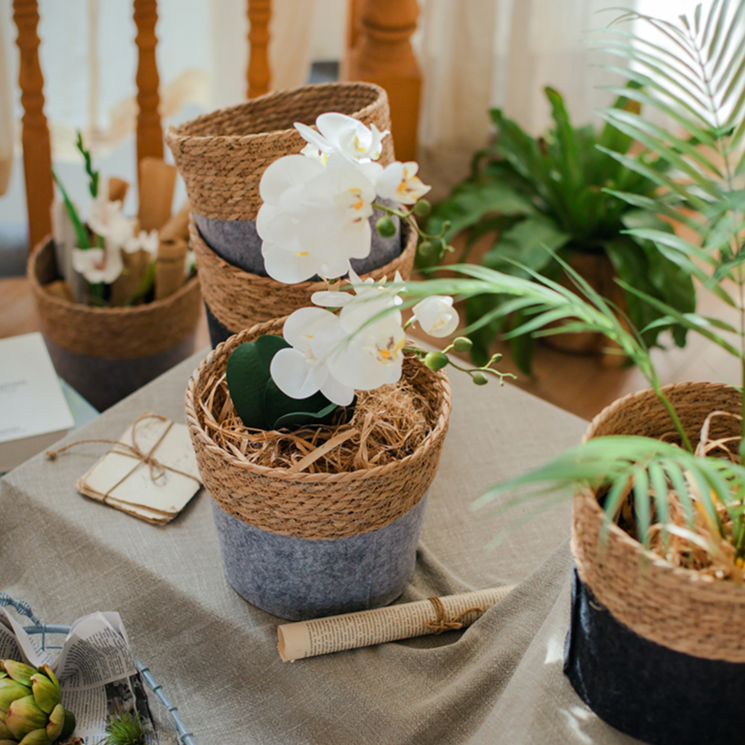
579	384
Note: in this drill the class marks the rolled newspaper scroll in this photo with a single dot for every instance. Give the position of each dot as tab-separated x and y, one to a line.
297	641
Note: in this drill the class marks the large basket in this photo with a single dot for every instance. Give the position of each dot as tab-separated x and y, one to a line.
239	299
300	545
107	353
222	155
643	630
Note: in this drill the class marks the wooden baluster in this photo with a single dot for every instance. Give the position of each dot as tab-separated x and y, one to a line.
383	55
37	151
149	129
259	74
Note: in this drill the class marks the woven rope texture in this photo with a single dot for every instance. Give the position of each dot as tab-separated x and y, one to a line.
670	606
318	505
223	155
240	299
111	333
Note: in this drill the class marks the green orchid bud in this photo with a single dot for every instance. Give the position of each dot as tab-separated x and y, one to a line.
422	208
56	722
47	694
479	378
495	358
385	227
426	248
462	344
25	716
436	360
11	691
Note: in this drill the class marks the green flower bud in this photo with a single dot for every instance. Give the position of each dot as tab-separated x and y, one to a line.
69	726
5	733
495	358
426	248
37	737
19	672
479	378
10	691
462	344
56	722
436	360
422	208
385	227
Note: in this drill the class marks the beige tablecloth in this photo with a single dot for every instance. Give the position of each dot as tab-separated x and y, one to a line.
500	681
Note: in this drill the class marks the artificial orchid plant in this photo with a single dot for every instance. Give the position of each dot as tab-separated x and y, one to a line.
314	220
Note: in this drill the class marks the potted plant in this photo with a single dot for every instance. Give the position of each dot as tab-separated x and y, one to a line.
561	190
317	449
117	305
655	645
222	157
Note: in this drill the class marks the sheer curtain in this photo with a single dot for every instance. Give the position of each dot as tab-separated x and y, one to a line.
477	54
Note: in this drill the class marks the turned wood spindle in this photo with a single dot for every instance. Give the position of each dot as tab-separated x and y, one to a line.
37	151
259	74
149	129
383	55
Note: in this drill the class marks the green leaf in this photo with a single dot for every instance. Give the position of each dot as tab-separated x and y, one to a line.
526	243
81	234
290	413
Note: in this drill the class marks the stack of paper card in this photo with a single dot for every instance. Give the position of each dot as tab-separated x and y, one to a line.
155	491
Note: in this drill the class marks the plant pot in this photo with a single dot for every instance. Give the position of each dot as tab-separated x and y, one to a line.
656	651
301	545
222	157
107	353
236	299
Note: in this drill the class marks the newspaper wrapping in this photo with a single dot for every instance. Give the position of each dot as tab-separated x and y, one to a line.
297	641
97	671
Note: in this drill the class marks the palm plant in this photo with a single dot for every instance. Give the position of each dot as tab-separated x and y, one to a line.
562	191
699	81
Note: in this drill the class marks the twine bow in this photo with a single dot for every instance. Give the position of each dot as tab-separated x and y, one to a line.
157	469
442	622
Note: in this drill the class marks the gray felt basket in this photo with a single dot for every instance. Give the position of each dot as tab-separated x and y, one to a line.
301	545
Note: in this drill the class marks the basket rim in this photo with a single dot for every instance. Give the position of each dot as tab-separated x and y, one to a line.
585	499
181	133
113	312
433	436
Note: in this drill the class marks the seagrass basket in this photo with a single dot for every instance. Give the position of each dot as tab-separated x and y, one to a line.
107	353
657	651
301	544
238	299
222	155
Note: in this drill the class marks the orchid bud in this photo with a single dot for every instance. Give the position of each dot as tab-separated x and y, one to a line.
422	208
436	360
385	227
480	378
462	344
426	248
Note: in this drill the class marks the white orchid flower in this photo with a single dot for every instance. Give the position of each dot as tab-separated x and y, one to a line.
399	182
314	218
107	220
339	133
367	288
98	264
143	241
297	371
436	315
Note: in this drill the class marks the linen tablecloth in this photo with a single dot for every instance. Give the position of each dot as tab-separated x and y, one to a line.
500	681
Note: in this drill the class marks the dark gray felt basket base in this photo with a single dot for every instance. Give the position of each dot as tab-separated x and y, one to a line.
104	382
298	579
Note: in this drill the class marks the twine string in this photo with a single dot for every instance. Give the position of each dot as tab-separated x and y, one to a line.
157	468
442	622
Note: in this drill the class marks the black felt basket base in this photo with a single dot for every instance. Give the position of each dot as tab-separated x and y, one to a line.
646	690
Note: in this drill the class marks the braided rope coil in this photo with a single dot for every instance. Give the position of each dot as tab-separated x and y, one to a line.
314	505
222	155
668	605
240	299
120	333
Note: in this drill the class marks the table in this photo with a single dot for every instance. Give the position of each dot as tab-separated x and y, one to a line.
500	681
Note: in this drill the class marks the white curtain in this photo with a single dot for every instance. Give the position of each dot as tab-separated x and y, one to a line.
478	54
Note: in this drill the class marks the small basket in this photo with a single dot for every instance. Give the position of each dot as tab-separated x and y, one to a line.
46	629
239	299
222	155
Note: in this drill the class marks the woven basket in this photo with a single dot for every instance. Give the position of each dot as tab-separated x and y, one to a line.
240	299
301	545
223	155
146	339
656	651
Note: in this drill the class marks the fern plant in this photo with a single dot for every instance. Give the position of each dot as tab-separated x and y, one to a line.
561	191
698	80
